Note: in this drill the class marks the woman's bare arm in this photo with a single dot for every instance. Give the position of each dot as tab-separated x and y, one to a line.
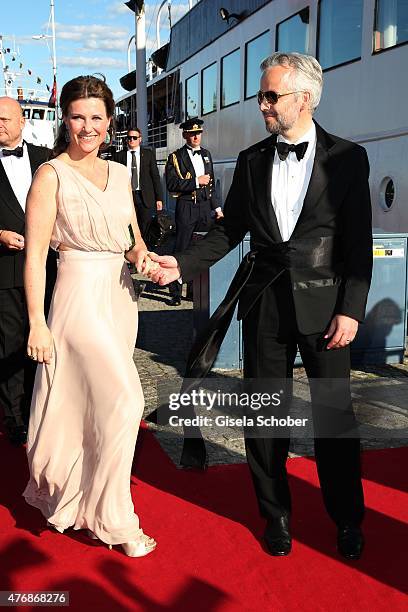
41	211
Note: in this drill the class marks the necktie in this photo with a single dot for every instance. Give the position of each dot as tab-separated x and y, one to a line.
135	174
284	148
18	152
196	151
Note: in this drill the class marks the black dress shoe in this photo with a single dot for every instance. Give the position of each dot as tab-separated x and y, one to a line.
277	537
17	435
350	542
174	301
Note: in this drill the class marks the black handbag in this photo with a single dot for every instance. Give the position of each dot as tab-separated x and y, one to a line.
160	228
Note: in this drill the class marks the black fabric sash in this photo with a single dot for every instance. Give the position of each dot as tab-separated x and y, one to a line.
269	263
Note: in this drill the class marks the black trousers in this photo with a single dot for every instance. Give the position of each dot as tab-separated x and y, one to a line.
17	372
144	213
190	217
271	338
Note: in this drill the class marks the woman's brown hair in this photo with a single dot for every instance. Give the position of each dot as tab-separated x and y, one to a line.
83	87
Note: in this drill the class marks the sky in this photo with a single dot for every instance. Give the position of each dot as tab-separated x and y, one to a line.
91	36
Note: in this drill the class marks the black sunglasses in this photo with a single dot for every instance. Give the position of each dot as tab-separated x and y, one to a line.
271	97
133	137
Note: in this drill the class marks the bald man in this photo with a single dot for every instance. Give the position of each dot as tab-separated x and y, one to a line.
18	162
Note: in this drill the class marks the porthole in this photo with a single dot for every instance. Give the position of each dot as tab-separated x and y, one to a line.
387	193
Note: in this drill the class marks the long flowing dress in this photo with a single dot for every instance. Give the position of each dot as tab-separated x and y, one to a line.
87	404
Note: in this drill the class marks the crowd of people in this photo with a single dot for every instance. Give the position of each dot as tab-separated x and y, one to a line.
303	196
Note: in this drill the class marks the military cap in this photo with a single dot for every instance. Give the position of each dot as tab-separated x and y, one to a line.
192	125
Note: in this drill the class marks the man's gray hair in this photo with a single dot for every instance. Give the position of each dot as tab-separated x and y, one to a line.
307	74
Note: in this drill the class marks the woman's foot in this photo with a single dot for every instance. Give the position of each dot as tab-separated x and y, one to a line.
139	548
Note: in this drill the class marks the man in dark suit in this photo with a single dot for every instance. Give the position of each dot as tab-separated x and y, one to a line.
144	177
190	179
18	162
303	195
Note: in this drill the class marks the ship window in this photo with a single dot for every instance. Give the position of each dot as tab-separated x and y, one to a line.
192	97
256	51
293	33
51	115
209	89
340	28
38	113
391	24
230	78
26	113
387	193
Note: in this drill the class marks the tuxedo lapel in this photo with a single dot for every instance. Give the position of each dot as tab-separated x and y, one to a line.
35	157
7	196
261	165
187	161
319	179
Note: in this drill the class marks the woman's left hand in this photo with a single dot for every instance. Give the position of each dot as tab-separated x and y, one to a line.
140	257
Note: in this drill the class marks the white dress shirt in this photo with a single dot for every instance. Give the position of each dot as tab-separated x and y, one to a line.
290	180
129	163
198	163
18	171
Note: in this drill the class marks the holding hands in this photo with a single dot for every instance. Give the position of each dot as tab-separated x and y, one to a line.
165	270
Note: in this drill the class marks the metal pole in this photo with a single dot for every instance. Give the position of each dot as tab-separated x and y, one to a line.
54	65
141	87
128	52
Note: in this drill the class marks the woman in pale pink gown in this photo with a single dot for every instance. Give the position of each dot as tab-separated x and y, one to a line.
87	401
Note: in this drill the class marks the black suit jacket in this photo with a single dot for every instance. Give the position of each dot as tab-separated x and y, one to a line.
12	218
150	184
186	188
337	204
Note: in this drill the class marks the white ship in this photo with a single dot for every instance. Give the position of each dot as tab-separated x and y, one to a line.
39	115
210	69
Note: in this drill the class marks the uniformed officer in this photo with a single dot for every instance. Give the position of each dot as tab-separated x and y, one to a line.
190	179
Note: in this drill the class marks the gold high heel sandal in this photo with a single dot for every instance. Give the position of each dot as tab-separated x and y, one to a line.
138	548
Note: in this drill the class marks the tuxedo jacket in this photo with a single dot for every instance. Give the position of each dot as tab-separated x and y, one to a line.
185	188
149	178
12	217
337	204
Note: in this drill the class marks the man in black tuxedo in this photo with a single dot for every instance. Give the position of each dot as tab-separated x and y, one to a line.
303	195
18	162
144	177
190	179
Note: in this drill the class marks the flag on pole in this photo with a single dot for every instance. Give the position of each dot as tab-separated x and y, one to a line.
53	97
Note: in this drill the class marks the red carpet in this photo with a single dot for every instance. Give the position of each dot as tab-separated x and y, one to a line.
209	557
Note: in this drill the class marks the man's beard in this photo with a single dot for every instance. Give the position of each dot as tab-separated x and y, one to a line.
282	123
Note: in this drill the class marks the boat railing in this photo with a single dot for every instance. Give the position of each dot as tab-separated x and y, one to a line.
157	134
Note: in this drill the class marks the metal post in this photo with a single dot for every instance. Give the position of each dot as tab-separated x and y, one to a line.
141	87
54	65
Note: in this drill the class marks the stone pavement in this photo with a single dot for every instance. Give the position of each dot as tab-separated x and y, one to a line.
380	393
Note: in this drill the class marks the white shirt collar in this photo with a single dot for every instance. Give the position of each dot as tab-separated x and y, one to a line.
309	136
22	143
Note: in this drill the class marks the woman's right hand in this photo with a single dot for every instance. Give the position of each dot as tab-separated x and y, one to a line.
40	343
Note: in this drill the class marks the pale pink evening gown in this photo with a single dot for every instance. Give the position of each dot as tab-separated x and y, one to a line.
87	404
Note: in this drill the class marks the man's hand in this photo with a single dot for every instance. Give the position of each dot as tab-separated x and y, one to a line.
12	240
159	205
168	270
219	214
204	179
342	331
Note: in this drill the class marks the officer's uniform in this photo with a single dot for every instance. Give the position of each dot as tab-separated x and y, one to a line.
195	204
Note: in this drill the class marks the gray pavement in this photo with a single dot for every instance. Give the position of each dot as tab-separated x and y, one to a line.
380	393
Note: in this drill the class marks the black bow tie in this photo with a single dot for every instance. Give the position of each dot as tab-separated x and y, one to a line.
18	152
284	148
196	151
